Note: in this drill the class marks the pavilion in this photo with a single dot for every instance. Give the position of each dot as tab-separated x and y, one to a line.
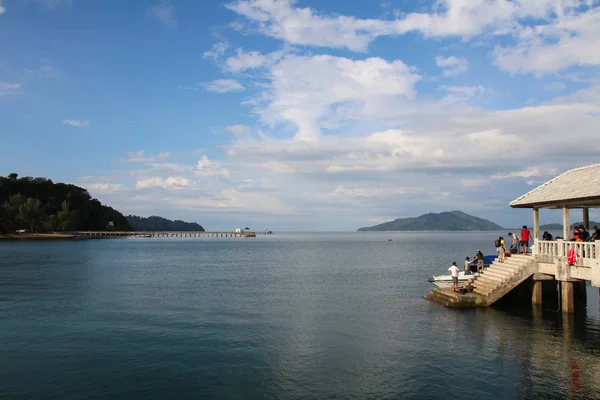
576	189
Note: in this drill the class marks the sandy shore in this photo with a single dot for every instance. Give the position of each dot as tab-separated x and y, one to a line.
35	236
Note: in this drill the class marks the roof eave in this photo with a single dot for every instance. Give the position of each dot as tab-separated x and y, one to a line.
591	202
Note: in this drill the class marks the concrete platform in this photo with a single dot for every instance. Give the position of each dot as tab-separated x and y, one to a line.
448	298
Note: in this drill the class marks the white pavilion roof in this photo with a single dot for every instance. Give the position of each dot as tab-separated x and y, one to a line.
579	187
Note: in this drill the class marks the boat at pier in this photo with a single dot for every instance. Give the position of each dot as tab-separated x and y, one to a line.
446	280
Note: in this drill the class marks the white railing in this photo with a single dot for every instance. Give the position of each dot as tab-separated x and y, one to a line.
561	248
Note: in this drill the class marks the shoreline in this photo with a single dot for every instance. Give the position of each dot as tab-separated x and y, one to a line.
37	236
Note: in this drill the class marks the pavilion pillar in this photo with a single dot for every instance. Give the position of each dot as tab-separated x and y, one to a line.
566	224
536	230
586	218
536	295
567	296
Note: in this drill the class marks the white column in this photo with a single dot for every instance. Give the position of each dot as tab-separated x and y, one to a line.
586	218
536	230
566	224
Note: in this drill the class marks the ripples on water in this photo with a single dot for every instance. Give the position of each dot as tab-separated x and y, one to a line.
291	316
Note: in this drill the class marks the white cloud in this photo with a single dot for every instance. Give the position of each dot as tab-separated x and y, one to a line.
238	129
217	51
465	91
452	66
2	10
304	26
171	182
53	4
224	86
561	36
165	13
76	123
208	168
304	89
8	88
107	187
140	157
572	38
243	61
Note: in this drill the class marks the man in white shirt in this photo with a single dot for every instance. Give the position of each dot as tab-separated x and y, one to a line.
454	272
515	241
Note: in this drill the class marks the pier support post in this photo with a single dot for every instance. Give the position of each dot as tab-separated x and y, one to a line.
566	224
536	294
567	295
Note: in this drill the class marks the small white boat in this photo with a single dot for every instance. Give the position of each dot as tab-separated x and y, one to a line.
446	280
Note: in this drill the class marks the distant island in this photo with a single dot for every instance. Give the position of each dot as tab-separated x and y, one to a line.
156	224
558	226
445	221
38	205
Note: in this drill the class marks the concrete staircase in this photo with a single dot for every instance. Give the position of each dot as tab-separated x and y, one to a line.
500	278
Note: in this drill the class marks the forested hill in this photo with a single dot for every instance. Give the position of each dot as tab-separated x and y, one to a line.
558	226
445	221
40	205
156	224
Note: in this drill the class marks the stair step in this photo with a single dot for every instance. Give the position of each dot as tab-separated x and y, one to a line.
512	268
503	276
500	270
485	284
516	261
491	277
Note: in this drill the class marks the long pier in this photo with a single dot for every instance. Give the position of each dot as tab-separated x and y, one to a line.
166	234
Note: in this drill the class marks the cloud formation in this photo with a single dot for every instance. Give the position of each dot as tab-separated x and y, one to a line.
452	66
76	123
334	135
224	86
164	12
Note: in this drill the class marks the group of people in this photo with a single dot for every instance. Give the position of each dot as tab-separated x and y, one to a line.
522	243
580	234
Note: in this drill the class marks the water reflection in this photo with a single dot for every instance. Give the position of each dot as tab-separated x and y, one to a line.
323	317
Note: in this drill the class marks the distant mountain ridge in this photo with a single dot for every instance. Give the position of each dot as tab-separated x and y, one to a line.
557	226
444	221
156	224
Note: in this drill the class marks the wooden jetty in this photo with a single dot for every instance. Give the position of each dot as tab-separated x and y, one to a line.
198	234
575	189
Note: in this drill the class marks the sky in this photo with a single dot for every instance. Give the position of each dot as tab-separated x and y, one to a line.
301	115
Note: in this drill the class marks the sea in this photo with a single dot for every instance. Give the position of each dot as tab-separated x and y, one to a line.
283	316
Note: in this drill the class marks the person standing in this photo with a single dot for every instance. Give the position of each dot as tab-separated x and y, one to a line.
467	266
480	264
499	244
525	234
454	272
515	241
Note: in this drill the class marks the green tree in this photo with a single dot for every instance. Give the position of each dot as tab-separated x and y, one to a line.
67	219
30	212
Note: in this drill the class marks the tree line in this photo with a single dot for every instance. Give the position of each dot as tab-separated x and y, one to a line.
157	224
40	205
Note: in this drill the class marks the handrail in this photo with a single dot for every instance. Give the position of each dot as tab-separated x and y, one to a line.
561	248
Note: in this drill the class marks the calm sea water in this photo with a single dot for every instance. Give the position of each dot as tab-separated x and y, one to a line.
290	316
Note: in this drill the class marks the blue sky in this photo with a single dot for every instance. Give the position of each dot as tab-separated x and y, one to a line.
300	115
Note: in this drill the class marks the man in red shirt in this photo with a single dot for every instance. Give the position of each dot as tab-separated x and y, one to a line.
525	234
